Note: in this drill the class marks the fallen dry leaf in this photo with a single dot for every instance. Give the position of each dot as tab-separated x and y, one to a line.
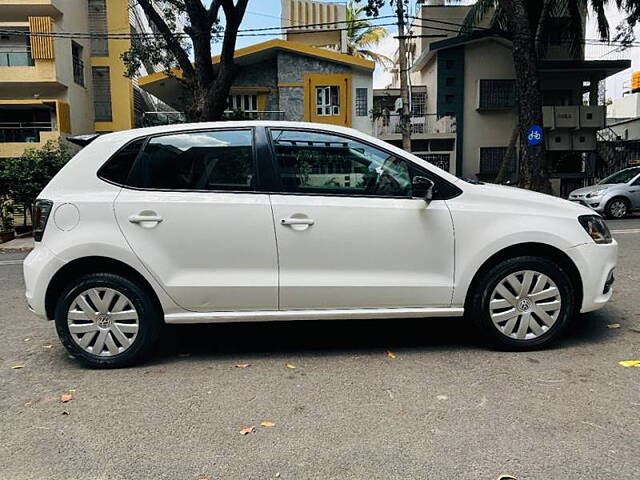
66	397
630	363
613	325
291	366
390	354
248	430
27	339
506	477
47	346
242	365
17	367
267	424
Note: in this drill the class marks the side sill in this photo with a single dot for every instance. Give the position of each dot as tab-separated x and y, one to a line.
346	314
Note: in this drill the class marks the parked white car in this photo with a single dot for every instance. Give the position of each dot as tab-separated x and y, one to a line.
252	221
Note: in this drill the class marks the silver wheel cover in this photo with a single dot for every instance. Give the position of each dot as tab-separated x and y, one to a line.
103	322
525	305
618	209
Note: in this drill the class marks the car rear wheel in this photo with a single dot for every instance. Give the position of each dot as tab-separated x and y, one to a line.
522	303
106	320
617	208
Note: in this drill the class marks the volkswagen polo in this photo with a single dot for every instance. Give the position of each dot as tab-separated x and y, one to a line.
255	221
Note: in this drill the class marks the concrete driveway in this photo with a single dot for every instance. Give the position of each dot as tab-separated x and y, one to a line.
443	408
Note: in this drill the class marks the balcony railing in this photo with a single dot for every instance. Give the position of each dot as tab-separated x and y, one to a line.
150	119
16	58
389	125
23	132
254	115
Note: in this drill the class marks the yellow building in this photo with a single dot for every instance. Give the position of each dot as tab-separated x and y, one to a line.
53	85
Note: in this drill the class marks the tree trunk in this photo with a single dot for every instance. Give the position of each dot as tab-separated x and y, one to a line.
508	155
534	168
405	116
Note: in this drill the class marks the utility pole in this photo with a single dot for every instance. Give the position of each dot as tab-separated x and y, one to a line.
405	116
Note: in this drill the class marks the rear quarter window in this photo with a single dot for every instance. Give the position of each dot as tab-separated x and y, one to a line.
118	167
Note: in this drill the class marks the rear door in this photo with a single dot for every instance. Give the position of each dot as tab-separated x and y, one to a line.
192	213
349	233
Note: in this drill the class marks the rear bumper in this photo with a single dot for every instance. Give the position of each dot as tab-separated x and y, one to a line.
39	268
596	264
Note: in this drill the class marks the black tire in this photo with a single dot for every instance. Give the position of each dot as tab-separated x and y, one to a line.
478	312
149	319
610	211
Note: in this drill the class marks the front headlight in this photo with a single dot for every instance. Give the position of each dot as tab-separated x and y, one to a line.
595	193
596	228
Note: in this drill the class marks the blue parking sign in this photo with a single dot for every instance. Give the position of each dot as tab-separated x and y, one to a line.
534	135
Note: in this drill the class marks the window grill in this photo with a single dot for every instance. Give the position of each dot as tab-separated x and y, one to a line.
497	94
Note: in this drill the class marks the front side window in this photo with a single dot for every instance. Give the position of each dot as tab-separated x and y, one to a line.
312	162
216	160
328	100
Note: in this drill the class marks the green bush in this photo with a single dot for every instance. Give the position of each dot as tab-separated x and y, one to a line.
24	177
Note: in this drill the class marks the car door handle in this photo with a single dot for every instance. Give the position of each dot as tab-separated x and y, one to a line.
145	218
296	221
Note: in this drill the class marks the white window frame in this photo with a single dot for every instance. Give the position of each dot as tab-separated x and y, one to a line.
325	107
238	101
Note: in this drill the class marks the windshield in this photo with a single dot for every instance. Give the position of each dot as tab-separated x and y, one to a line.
622	176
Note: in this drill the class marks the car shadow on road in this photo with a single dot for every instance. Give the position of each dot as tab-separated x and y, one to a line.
336	337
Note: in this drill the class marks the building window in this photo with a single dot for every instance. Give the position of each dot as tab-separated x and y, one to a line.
98	28
245	103
101	93
78	64
497	94
328	100
491	160
362	98
418	103
440	160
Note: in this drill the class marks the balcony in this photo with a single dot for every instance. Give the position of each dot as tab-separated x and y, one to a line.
20	10
423	126
16	58
16	136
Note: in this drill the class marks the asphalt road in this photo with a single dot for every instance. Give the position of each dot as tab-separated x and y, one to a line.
443	408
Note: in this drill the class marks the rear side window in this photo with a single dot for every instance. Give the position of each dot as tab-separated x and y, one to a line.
215	160
117	169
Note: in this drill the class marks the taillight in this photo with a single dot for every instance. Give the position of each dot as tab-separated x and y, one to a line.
41	213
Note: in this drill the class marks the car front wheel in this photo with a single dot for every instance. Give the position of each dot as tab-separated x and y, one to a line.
522	303
617	208
106	320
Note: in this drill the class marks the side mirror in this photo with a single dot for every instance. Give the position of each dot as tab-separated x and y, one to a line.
422	187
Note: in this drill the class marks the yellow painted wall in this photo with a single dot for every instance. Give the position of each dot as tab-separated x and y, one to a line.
342	80
121	87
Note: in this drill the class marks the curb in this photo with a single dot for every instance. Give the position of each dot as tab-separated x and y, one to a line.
15	249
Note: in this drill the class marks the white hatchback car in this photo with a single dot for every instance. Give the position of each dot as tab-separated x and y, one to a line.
251	221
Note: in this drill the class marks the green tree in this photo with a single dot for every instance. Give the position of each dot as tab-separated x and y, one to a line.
205	88
362	36
525	23
24	177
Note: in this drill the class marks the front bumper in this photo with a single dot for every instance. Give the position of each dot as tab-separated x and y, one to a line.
596	264
39	268
596	204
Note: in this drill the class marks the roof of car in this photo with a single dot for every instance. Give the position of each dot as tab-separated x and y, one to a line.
126	135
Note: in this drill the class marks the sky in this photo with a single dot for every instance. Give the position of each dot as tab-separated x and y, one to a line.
266	13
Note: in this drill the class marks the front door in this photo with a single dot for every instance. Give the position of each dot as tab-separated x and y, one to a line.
327	99
191	214
349	234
